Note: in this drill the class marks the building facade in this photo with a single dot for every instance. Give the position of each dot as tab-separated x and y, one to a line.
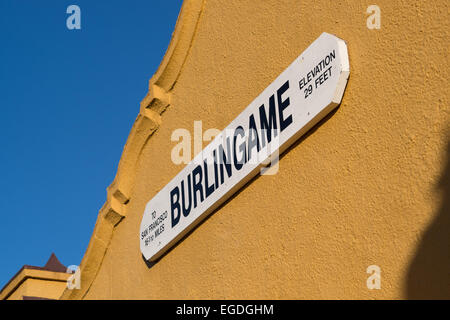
367	186
38	283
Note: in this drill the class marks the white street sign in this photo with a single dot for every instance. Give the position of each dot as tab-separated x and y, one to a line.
304	93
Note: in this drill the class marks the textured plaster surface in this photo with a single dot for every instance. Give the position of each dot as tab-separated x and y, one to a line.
36	283
361	188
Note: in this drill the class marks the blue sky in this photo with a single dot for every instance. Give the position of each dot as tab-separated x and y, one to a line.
68	99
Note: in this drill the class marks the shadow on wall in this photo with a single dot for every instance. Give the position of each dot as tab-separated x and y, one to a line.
429	272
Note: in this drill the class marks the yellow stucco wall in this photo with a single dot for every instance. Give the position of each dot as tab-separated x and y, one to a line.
35	283
369	185
39	288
